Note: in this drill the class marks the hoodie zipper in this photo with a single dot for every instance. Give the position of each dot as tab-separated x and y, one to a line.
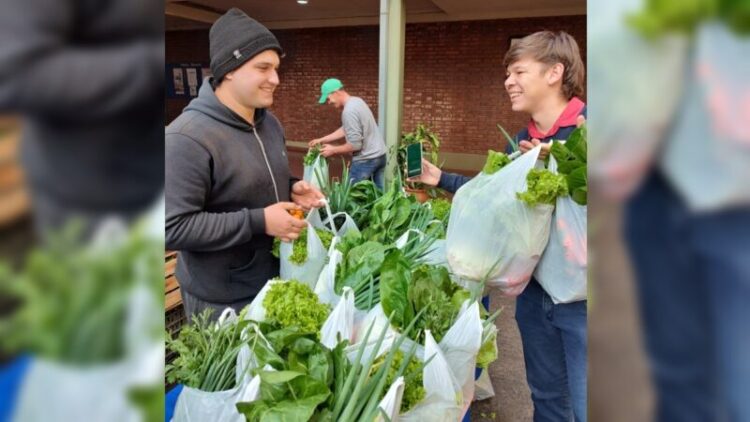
268	166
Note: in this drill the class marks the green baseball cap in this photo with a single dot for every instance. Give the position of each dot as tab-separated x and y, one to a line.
329	86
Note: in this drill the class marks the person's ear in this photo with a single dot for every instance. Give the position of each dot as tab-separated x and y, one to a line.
555	73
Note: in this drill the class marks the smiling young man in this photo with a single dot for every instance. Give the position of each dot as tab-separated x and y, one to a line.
360	131
228	185
544	79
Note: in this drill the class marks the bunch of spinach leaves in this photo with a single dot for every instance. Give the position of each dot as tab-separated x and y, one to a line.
572	162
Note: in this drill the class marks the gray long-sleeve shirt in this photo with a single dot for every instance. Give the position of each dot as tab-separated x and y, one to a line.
362	130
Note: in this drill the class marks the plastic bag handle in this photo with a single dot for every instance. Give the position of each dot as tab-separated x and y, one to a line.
226	314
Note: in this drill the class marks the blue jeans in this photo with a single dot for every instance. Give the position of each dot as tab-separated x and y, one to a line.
554	350
368	169
693	279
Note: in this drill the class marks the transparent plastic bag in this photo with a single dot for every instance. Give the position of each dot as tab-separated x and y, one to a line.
194	405
326	284
492	234
317	173
443	396
59	391
458	348
309	271
340	323
707	153
562	270
348	224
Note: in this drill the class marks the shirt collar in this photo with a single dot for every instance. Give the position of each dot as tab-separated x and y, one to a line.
569	117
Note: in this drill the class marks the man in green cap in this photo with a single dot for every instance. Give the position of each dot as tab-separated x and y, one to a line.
360	131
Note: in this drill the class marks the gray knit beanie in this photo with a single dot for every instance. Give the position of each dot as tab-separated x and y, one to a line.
236	38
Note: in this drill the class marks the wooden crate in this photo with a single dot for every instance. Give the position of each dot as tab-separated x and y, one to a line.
174	314
14	198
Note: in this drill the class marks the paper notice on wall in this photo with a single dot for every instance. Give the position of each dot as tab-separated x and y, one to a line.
192	77
179	81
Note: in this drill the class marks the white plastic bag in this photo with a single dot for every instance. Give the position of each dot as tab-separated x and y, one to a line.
63	392
459	346
443	396
328	224
317	173
325	287
562	269
194	405
707	154
436	254
494	235
379	321
340	322
392	400
309	271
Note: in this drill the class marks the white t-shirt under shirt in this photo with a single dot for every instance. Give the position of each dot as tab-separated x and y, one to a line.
361	130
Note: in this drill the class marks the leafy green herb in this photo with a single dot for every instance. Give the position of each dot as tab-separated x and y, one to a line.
72	300
495	162
572	162
488	351
301	382
543	187
432	291
394	288
206	353
312	383
427	291
660	17
149	400
441	209
362	196
312	154
299	246
430	143
414	391
294	303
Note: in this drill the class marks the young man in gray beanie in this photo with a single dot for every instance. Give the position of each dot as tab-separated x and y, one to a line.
228	185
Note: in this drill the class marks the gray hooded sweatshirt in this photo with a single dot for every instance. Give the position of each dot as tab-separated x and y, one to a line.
220	174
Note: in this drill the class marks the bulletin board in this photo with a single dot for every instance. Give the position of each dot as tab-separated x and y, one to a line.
183	80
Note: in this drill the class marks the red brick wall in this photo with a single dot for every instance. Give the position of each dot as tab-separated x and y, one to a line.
453	76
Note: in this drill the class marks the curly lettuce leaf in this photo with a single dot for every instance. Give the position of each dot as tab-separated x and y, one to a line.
495	162
543	187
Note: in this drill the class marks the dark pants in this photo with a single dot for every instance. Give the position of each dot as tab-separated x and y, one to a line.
369	169
554	350
693	278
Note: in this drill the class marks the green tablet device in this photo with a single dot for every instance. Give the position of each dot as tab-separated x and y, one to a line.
414	160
